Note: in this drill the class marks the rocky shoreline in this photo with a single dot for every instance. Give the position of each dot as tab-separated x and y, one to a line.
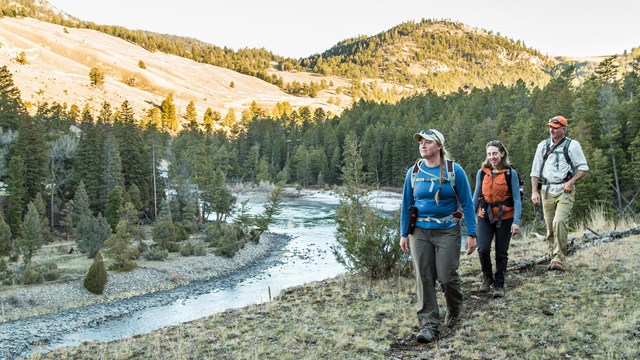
67	306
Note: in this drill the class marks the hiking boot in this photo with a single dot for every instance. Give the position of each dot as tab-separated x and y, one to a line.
450	321
556	265
498	292
425	336
486	285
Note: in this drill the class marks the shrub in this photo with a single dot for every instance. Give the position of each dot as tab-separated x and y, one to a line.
22	58
96	278
49	271
30	275
128	265
230	242
165	234
191	249
156	254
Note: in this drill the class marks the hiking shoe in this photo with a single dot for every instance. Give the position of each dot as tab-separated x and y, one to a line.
425	336
556	265
498	292
486	285
450	321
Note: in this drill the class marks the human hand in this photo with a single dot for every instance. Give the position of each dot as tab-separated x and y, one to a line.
472	244
535	198
404	244
515	229
568	187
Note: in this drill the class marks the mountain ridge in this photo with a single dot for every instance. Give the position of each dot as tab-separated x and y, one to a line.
408	59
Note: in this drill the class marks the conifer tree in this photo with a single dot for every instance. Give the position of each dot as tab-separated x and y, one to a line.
33	149
31	235
15	188
111	170
191	116
118	248
96	278
91	234
114	204
6	244
12	110
168	114
88	161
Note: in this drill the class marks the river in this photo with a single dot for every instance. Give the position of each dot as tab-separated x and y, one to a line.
307	257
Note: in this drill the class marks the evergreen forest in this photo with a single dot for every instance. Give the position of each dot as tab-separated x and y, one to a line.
116	159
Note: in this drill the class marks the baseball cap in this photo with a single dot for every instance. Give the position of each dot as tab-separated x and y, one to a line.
557	121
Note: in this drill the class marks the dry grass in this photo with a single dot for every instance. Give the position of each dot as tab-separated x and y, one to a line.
589	312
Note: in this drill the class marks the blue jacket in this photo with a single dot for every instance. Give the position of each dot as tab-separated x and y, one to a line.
425	202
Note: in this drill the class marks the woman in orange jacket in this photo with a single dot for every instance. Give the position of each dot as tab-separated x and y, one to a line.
499	208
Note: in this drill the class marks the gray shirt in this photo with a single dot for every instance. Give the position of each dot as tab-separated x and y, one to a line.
556	167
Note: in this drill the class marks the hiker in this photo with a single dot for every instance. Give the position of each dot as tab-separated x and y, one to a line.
558	164
434	189
499	207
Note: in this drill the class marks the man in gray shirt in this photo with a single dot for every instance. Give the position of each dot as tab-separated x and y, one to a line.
558	164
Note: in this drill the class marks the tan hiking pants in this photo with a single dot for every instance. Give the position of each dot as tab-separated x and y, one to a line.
557	209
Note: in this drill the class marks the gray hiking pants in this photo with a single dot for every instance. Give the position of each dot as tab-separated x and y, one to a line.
436	256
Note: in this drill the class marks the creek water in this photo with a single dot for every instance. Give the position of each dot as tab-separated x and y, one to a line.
307	257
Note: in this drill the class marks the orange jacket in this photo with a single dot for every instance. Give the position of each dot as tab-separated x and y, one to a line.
495	190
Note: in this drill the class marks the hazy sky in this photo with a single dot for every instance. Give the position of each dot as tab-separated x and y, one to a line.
299	28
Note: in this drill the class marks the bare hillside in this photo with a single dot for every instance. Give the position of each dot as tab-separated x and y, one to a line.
59	60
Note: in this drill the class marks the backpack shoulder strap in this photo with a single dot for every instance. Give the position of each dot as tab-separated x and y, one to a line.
451	174
507	175
414	173
451	177
565	151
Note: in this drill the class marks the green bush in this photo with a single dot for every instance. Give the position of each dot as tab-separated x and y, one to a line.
30	275
191	249
96	278
156	254
49	270
128	265
230	242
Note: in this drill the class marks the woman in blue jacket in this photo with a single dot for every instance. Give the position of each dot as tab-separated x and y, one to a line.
434	190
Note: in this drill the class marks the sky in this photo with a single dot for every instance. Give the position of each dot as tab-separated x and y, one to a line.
300	28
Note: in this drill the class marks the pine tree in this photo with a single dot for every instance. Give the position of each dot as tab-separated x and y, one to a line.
33	149
12	110
6	244
15	187
168	112
111	171
92	232
118	248
31	235
191	116
96	278
114	204
81	206
88	161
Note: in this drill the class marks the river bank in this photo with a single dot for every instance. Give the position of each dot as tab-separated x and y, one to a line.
64	306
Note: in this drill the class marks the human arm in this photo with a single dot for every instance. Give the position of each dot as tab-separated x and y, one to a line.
581	167
535	195
407	200
466	201
570	185
477	191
